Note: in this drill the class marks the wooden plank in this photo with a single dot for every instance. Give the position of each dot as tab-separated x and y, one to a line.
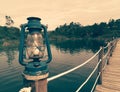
105	89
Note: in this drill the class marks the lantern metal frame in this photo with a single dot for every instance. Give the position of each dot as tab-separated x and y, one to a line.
35	68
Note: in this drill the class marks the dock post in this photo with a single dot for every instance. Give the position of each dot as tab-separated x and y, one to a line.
41	85
34	85
100	57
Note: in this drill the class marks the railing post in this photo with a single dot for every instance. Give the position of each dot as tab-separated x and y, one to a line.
111	48
114	44
100	57
109	53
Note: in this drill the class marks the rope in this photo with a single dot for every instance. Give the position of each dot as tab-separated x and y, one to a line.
88	77
105	55
104	65
107	46
95	82
73	69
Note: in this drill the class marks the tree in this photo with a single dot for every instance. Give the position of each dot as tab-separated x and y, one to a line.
9	20
111	24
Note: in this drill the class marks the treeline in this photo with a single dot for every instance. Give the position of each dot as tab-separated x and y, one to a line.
9	33
72	30
103	29
9	38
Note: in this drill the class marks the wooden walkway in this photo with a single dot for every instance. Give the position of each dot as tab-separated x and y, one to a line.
111	75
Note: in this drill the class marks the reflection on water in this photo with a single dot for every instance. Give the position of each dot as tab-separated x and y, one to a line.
10	72
10	54
74	46
66	55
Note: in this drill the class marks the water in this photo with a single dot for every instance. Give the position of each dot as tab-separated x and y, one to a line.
66	55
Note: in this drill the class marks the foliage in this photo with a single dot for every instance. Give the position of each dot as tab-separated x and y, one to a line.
9	21
72	31
9	33
72	46
9	37
103	29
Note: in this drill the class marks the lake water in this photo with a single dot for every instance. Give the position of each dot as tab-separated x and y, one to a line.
66	55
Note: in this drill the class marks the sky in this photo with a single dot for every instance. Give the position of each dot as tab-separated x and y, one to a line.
58	12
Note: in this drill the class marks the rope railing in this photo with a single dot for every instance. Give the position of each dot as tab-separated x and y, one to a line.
89	76
104	57
95	82
73	69
106	46
104	65
106	60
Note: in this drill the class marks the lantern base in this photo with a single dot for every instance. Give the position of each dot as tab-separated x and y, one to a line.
35	78
36	71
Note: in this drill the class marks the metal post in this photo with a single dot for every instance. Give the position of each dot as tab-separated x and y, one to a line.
100	57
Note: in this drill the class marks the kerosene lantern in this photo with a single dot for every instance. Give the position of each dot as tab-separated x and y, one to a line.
33	45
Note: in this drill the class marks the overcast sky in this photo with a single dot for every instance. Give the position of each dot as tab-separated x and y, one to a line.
58	12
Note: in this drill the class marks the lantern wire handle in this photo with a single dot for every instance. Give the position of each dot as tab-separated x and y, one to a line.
23	26
47	43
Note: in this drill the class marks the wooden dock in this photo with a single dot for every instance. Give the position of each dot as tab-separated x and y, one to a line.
111	75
